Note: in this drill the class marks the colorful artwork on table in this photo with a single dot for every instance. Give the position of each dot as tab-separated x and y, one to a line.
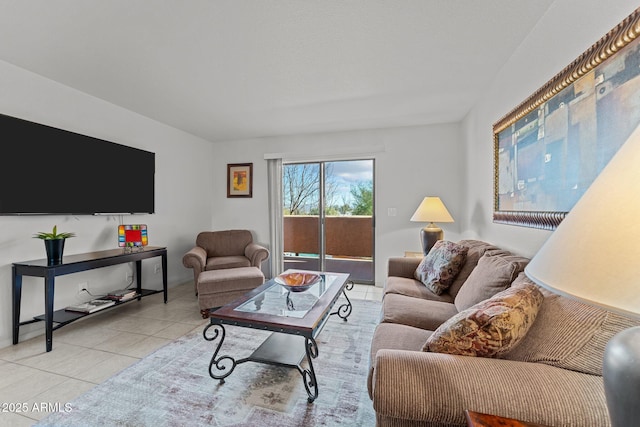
132	235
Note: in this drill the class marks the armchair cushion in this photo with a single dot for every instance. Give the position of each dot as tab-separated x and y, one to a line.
221	262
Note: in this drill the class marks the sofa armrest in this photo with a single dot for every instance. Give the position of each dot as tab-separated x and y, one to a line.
256	254
437	388
196	258
402	266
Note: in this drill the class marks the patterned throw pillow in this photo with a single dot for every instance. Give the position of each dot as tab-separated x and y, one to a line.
490	328
440	267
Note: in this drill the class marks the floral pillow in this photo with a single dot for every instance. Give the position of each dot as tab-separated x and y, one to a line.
440	267
490	328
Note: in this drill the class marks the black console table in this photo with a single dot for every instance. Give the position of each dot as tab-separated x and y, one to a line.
74	264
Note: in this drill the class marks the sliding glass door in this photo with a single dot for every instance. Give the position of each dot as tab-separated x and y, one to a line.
328	217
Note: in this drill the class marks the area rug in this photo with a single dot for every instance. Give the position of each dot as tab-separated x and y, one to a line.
172	386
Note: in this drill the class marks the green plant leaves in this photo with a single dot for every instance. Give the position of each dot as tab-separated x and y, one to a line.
54	235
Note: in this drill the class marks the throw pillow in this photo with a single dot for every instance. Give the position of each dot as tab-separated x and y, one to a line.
491	327
439	268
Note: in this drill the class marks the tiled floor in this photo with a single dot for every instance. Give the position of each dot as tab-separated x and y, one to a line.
87	352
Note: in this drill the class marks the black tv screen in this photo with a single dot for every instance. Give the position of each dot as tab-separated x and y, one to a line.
46	170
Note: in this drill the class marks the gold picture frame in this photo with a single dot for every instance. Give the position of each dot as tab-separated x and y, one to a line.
550	148
240	180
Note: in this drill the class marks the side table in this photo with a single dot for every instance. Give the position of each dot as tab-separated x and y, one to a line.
478	419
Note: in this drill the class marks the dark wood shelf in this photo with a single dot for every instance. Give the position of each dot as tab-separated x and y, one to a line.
63	317
74	264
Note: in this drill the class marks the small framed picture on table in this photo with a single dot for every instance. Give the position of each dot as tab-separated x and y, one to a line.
240	180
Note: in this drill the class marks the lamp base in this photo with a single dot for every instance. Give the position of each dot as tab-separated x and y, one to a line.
621	374
429	236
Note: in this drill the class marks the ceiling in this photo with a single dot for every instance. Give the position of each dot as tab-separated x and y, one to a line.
237	69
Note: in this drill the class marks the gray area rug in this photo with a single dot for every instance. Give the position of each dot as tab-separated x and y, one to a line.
172	386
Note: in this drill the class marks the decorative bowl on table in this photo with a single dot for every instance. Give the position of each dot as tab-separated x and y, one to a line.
297	281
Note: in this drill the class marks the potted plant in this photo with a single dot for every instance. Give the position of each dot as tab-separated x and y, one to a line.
54	244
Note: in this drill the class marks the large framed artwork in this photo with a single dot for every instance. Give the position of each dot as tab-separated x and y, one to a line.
550	148
240	180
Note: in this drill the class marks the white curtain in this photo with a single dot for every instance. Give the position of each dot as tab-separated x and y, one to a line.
274	172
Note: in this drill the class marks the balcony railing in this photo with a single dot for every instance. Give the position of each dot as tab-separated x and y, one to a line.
348	244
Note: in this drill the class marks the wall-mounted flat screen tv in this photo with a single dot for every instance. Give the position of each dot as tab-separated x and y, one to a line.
45	170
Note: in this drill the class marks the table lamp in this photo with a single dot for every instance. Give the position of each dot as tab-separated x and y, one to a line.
431	210
593	256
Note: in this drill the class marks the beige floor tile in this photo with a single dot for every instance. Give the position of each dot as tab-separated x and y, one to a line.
139	325
134	345
51	360
189	302
12	373
13	419
170	313
85	334
176	330
31	383
24	349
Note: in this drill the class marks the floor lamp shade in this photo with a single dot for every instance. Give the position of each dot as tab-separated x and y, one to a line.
431	210
593	256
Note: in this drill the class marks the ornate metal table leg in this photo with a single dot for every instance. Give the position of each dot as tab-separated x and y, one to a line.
221	364
345	309
290	305
309	375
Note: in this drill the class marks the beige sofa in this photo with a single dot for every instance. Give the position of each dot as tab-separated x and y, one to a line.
552	376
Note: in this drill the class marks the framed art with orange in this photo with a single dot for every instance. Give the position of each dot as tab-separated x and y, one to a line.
240	180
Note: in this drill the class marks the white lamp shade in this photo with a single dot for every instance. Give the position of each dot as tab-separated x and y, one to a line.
431	210
594	253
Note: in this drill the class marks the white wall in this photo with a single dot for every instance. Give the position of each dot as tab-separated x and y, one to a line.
410	163
568	29
183	195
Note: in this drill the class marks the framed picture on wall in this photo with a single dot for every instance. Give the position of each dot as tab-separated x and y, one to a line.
240	180
550	148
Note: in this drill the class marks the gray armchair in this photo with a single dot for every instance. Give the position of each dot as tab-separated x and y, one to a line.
216	250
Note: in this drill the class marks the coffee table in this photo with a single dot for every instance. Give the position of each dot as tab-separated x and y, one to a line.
295	318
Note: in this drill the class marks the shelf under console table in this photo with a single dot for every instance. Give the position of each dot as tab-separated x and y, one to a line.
74	264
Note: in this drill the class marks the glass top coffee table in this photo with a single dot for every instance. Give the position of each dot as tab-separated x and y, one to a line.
295	318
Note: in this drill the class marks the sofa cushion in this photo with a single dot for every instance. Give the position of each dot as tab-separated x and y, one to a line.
412	288
494	273
491	327
393	336
416	312
569	334
477	248
441	265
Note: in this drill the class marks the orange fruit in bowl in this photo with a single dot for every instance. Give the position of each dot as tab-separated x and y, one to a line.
298	279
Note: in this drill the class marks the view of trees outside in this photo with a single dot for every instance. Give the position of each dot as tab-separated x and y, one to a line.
348	188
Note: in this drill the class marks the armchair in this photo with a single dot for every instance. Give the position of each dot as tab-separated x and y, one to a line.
215	250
